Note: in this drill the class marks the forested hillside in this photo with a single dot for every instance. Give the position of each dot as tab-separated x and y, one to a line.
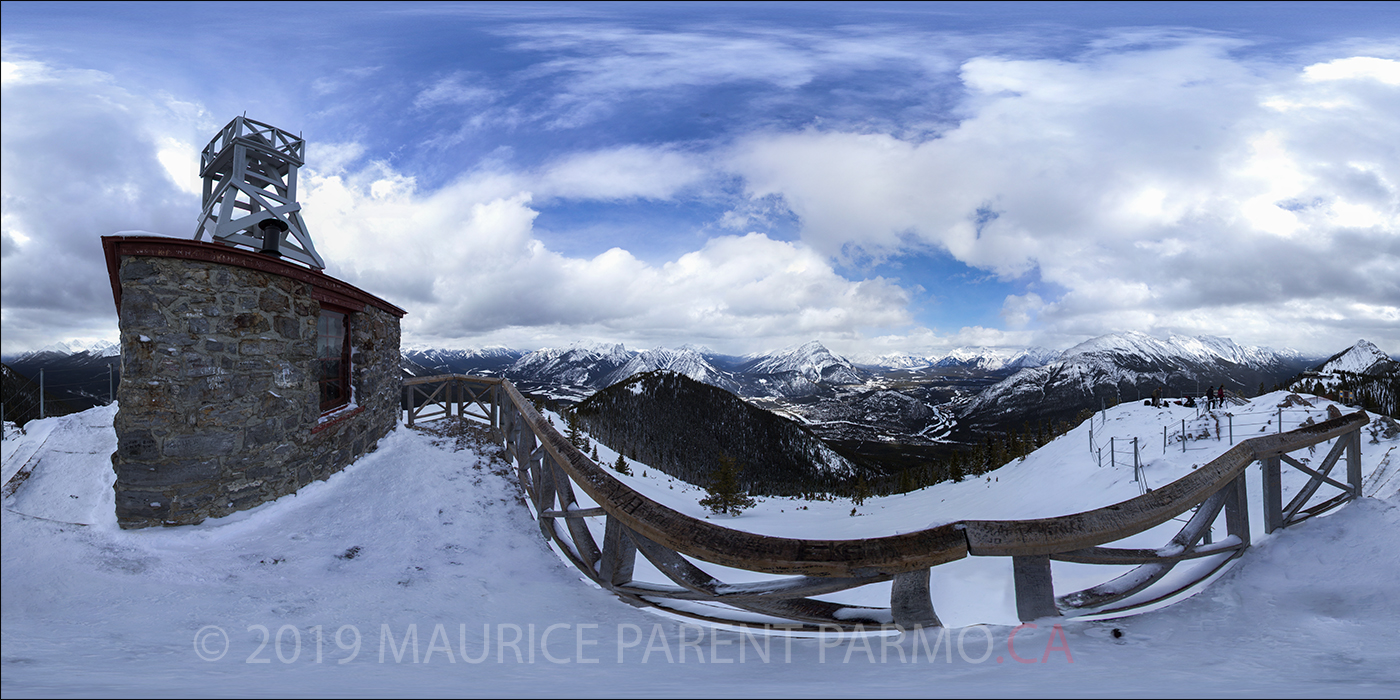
682	426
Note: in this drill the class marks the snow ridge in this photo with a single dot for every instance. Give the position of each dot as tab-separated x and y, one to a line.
1358	359
686	360
810	361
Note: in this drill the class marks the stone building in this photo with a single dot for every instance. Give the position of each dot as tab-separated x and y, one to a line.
244	377
246	372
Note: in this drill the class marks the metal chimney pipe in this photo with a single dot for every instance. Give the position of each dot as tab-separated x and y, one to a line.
272	230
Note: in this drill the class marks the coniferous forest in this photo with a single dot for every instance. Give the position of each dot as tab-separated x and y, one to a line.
686	429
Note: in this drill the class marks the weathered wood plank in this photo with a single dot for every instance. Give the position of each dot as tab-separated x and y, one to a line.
910	602
1316	475
1035	590
1272	488
1319	477
1143	576
696	580
894	554
712	543
575	513
619	553
1131	557
578	529
1237	511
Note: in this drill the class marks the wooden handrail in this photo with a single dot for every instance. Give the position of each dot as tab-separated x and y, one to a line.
1114	522
549	466
913	550
736	548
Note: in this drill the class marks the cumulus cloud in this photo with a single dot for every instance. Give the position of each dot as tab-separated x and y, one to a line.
1154	181
1159	187
464	260
83	158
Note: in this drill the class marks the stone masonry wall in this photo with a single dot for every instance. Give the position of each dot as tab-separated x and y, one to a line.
218	407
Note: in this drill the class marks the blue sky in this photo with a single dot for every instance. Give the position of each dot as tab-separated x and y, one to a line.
884	177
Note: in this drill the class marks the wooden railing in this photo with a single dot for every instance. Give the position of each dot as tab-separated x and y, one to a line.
426	398
553	472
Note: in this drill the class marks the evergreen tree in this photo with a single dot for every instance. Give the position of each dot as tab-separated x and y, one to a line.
955	468
724	494
906	481
862	491
595	454
620	466
575	434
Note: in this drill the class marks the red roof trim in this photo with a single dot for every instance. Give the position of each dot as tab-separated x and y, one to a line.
324	288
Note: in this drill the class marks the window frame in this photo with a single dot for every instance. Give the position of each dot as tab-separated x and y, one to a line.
348	394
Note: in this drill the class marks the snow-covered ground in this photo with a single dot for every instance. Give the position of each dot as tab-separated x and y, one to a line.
428	538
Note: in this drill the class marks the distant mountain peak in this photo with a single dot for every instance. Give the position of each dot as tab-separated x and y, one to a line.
1358	359
95	348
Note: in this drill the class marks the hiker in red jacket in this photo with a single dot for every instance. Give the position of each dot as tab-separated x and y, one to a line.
1220	396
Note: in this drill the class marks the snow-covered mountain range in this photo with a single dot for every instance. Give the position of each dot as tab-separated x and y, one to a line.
94	349
796	371
976	358
1128	366
423	360
802	370
1362	358
685	361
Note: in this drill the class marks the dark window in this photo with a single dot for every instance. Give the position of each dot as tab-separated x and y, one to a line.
333	359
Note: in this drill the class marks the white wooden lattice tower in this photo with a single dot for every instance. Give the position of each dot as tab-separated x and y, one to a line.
250	191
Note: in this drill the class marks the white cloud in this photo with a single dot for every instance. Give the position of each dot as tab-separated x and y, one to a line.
1385	70
463	260
1154	186
83	158
621	173
454	89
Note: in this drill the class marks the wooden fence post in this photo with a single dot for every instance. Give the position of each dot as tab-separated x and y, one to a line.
1035	590
496	407
619	554
1273	494
910	601
1354	462
1237	510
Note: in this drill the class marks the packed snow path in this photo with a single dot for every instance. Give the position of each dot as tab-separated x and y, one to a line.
420	535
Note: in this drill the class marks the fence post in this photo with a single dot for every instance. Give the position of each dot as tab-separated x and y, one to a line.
1164	439
1280	420
1137	463
1273	494
619	554
408	400
1035	591
1183	435
1237	510
1354	462
1112	453
496	407
910	602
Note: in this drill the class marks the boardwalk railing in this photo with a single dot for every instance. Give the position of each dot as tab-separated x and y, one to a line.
603	535
426	398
